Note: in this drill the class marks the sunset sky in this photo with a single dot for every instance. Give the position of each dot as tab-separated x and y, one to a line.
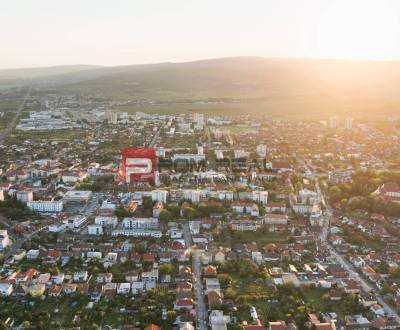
58	32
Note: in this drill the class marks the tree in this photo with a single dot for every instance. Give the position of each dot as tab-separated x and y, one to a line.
26	324
189	213
335	194
165	216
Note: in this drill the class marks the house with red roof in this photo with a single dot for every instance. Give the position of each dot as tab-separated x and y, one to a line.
388	191
184	303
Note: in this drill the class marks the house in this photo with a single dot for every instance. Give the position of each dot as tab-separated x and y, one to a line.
358	322
257	257
43	278
246	207
350	286
36	290
258	326
184	303
275	221
152	327
219	256
185	272
218	320
212	284
149	257
214	297
186	326
210	271
58	279
55	290
389	191
150	278
184	286
81	276
123	288
131	276
279	325
137	287
69	288
52	256
272	207
325	326
25	277
95	230
32	254
6	289
104	277
377	310
335	240
245	225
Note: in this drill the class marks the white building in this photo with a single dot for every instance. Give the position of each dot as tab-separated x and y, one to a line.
6	289
95	230
261	150
76	221
219	154
302	208
241	154
111	117
4	239
159	196
189	157
46	206
140	223
77	196
137	233
332	122
123	288
308	195
192	195
72	177
25	196
260	196
348	123
106	221
222	195
32	254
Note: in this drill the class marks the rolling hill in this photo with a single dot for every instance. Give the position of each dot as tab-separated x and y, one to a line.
303	85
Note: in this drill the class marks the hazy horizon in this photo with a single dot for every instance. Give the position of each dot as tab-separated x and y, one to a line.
48	33
206	59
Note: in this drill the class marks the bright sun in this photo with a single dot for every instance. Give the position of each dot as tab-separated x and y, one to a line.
358	29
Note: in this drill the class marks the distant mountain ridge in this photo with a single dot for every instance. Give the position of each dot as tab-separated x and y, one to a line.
306	83
40	72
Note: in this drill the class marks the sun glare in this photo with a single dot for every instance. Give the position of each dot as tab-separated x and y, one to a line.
358	29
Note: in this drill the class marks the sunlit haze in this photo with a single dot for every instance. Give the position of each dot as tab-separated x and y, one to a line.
48	32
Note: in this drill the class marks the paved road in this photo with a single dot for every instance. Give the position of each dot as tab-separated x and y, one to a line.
198	288
7	131
367	287
20	240
198	284
155	136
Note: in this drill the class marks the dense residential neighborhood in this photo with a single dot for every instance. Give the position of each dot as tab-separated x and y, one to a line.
245	222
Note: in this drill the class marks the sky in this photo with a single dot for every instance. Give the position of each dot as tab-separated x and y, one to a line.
120	32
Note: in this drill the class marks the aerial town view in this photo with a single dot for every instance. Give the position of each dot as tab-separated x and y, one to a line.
225	185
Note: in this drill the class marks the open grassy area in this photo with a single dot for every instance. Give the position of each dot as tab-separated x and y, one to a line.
261	237
65	135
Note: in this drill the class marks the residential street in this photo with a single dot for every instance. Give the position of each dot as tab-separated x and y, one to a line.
198	285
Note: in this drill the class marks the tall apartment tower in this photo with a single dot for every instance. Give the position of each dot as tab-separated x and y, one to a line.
332	122
348	123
